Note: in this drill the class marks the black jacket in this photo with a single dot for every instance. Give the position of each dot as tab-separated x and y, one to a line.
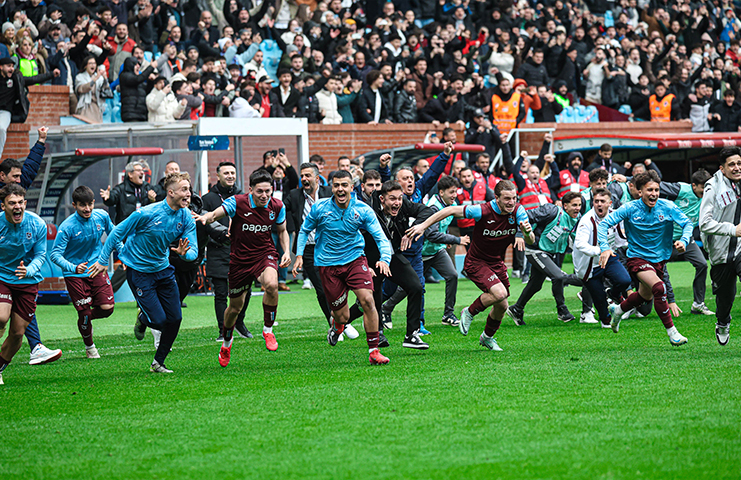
548	111
639	104
295	202
276	110
405	108
124	198
19	109
367	107
217	261
216	230
133	92
290	108
730	117
438	109
533	74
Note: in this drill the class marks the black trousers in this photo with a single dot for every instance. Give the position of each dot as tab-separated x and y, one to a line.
546	265
403	274
184	279
312	272
118	278
221	294
723	278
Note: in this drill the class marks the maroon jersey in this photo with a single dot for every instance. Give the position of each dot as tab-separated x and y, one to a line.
251	228
493	232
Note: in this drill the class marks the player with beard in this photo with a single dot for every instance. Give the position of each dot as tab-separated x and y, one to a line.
495	230
149	232
22	253
253	254
587	251
339	254
648	224
77	244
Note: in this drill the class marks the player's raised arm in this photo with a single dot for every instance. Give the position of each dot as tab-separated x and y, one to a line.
417	231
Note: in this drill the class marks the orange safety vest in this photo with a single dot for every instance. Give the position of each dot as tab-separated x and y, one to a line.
569	184
533	196
479	196
505	113
661	111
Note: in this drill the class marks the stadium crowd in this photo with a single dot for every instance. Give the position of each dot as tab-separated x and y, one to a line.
334	61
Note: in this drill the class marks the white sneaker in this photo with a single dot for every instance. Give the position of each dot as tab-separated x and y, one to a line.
588	317
92	352
41	355
157	368
701	309
1	379
722	333
156	334
307	285
676	338
351	332
465	323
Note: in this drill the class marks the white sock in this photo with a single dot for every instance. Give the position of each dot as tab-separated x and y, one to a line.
90	347
370	350
618	311
485	335
228	344
267	329
672	331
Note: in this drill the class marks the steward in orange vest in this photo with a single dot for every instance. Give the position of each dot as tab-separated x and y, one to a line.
573	178
507	109
664	107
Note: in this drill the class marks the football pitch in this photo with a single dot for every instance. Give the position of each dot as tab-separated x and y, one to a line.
569	401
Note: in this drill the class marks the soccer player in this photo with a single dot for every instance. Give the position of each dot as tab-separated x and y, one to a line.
77	245
495	230
553	228
586	254
648	226
720	226
253	254
22	253
339	254
148	233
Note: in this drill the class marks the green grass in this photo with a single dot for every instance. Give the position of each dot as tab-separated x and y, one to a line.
562	401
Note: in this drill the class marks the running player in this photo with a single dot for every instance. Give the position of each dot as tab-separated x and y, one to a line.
494	231
253	254
648	226
22	253
341	260
148	233
77	244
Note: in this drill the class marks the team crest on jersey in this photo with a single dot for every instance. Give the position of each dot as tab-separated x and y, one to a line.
272	215
357	215
511	220
28	235
661	217
98	227
139	292
180	225
365	269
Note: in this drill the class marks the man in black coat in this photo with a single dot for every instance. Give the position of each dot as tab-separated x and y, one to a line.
445	109
133	91
370	98
726	115
263	91
14	102
298	203
533	71
288	96
217	258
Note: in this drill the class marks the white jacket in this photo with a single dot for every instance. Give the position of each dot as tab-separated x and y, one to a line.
586	247
163	108
327	101
717	215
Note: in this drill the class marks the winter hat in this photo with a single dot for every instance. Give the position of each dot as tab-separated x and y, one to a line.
6	26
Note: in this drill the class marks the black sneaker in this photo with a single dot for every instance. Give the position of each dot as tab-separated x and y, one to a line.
183	305
242	331
386	320
564	315
516	315
383	342
413	341
139	328
451	320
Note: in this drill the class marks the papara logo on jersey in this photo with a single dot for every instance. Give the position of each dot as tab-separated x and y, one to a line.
251	227
499	233
83	301
339	301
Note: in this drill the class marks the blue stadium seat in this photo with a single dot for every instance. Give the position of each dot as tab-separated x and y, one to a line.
625	109
529	118
592	115
566	116
271	57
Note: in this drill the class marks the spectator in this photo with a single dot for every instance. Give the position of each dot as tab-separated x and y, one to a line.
373	106
8	38
162	106
216	101
549	107
696	107
14	102
121	48
405	104
595	74
726	115
664	106
442	110
88	86
54	17
328	103
268	102
133	92
639	98
347	96
534	71
193	103
29	63
288	96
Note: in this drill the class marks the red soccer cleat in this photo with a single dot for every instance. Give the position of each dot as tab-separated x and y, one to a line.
225	354
376	358
270	342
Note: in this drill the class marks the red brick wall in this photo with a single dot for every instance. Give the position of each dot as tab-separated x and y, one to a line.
52	284
48	103
16	143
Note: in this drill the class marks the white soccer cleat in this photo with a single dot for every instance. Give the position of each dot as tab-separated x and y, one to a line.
92	352
465	322
676	338
588	317
307	285
41	355
351	332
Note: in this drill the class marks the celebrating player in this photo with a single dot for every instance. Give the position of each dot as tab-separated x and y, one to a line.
148	233
253	254
648	226
493	232
22	253
77	244
340	257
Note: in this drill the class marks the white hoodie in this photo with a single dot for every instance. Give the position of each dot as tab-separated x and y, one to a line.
586	247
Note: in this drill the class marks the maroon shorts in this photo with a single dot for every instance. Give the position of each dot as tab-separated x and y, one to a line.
336	281
22	297
86	292
486	276
638	265
241	276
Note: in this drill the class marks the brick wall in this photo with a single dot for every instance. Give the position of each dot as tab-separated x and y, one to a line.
16	143
48	103
52	284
